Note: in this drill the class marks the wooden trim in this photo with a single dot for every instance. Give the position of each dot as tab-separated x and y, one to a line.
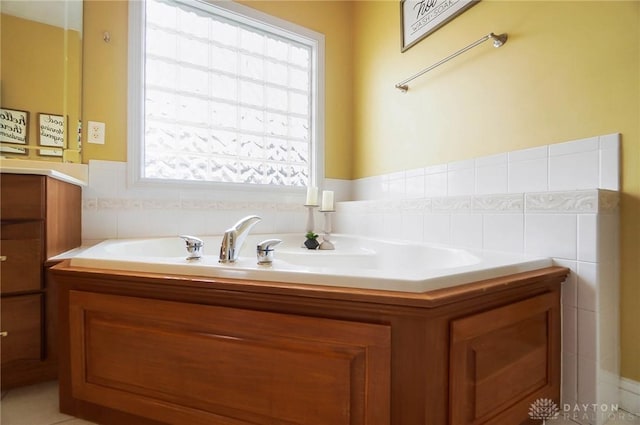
549	275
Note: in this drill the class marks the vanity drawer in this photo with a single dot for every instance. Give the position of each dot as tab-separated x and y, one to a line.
22	197
21	251
21	328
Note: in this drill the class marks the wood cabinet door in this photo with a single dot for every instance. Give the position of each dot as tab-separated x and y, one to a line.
22	322
21	251
180	363
504	359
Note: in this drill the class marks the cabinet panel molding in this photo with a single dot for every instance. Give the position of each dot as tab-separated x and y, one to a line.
502	358
21	249
210	364
21	319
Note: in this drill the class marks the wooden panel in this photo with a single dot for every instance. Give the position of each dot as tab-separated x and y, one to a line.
63	224
503	358
22	320
21	249
204	364
22	197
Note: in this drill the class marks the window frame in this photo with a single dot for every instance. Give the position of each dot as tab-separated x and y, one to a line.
136	100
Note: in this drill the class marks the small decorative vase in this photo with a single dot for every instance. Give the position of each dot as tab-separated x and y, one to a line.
311	244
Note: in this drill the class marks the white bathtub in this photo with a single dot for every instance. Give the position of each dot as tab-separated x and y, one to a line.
356	262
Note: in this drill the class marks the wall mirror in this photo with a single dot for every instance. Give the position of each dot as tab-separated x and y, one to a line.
41	69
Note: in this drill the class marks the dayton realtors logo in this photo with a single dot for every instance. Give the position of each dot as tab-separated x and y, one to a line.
545	409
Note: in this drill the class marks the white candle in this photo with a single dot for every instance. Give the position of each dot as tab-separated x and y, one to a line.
327	200
312	196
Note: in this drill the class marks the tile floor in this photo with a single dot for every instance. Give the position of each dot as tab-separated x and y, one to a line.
38	405
34	405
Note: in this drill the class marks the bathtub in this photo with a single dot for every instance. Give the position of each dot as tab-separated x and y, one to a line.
356	262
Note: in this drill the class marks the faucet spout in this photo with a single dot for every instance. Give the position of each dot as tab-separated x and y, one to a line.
234	238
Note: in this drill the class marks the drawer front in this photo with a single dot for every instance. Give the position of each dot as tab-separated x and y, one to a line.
22	197
21	328
21	251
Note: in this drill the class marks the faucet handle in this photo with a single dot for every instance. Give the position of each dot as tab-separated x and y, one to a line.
265	250
194	246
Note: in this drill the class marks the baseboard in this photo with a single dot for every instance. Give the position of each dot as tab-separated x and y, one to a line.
630	395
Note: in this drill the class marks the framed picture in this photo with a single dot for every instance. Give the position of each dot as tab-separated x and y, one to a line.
419	18
52	130
14	125
13	150
50	152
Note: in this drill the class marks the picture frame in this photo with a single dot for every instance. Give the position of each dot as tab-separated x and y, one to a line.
13	150
419	18
55	152
52	129
14	126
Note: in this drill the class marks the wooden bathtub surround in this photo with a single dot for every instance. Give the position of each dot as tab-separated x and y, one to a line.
139	348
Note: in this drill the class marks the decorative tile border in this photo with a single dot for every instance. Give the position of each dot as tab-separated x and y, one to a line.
499	203
581	202
562	202
453	204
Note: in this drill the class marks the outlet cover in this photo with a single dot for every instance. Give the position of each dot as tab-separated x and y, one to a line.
95	132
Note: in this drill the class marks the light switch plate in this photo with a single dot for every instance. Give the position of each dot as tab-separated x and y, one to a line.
95	132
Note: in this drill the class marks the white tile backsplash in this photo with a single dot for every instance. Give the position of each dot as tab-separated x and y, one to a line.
570	285
569	330
503	232
587	237
435	184
551	235
466	230
610	162
587	286
492	179
461	181
414	188
437	228
574	171
569	378
529	175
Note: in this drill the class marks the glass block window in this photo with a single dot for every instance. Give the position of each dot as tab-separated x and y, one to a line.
226	99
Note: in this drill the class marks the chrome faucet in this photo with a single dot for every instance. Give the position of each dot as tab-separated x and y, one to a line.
234	237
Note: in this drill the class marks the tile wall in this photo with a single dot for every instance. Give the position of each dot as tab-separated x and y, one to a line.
558	201
114	209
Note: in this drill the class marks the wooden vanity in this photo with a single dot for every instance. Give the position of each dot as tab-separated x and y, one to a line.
141	348
40	219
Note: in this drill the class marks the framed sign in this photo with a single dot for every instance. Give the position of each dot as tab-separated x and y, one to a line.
13	126
50	152
419	18
52	130
13	150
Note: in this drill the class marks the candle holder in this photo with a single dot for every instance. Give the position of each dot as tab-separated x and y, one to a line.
326	239
310	220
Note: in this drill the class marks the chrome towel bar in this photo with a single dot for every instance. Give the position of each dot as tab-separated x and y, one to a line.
498	40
